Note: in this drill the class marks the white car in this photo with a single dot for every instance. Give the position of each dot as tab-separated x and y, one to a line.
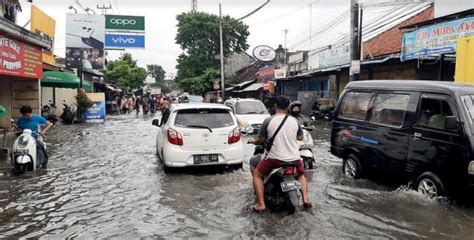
199	134
250	112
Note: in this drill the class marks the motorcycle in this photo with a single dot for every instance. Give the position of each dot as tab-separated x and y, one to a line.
146	108
24	151
49	112
306	148
281	187
324	112
68	114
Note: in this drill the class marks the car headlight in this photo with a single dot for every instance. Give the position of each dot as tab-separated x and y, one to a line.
245	127
23	141
471	168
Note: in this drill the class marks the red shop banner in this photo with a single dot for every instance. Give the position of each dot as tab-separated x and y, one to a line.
267	73
19	59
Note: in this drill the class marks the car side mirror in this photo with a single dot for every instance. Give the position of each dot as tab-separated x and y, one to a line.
156	122
451	123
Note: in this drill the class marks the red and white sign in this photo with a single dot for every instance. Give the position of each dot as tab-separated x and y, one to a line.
266	85
267	73
19	59
280	73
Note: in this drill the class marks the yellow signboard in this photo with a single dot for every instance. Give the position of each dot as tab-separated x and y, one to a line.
43	24
465	60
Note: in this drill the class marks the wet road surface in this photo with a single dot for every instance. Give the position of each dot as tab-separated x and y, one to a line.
104	181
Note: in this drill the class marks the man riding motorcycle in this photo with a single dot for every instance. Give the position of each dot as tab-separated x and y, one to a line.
283	149
33	122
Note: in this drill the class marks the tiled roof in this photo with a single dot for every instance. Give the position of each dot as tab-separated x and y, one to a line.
390	41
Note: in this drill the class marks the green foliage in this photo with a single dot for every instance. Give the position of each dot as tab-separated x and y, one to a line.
201	84
156	71
83	103
126	72
198	36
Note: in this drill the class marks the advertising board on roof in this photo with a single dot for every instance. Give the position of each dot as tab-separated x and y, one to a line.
436	39
264	53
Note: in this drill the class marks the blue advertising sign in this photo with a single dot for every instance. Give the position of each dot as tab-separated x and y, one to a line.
124	41
436	39
96	112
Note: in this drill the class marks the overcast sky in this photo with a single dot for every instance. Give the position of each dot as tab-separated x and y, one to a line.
266	26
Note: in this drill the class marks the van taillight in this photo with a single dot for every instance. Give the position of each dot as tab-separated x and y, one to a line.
234	136
174	137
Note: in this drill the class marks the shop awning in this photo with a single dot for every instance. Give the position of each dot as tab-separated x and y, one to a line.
63	80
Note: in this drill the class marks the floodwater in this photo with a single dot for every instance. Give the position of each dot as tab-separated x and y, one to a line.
104	181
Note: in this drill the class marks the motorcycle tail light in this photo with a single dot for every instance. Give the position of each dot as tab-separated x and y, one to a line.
289	171
174	137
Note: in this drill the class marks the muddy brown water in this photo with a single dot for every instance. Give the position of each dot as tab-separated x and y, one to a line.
104	181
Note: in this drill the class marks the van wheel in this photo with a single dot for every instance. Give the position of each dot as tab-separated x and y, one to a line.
351	167
430	185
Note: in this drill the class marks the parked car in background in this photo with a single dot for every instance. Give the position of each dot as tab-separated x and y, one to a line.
199	134
250	113
417	131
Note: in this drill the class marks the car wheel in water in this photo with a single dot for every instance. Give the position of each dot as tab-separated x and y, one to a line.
351	167
430	185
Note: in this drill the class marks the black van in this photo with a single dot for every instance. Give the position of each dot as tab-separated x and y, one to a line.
418	131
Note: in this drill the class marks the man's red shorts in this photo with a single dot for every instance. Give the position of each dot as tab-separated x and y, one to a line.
266	166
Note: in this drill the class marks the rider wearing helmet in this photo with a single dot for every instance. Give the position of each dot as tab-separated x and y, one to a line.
295	111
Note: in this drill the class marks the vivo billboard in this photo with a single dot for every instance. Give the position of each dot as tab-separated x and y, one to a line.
124	41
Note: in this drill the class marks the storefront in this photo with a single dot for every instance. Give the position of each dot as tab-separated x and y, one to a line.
21	68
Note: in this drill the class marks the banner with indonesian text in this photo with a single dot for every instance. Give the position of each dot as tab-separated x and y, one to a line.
19	59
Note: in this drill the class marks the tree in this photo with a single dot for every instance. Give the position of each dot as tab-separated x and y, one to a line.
198	36
201	84
156	71
126	72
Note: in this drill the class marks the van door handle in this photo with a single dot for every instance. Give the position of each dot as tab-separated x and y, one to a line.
417	136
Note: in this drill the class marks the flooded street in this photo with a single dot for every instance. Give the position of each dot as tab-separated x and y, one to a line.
105	181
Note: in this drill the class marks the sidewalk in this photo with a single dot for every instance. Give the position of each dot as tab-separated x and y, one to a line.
5	149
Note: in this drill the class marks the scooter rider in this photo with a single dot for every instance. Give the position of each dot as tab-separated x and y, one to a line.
295	111
33	122
284	149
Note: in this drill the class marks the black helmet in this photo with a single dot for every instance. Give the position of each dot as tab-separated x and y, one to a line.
295	104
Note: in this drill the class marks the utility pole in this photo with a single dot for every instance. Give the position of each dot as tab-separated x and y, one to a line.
221	53
286	57
355	40
310	32
104	8
194	5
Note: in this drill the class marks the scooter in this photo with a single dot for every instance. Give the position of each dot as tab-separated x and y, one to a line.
68	114
281	187
324	112
306	148
49	112
24	151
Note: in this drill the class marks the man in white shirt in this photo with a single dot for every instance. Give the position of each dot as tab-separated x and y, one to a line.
285	148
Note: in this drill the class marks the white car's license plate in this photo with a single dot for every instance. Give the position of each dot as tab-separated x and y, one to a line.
290	186
205	158
20	151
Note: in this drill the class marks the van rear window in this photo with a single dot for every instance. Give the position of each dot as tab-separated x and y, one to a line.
355	105
210	118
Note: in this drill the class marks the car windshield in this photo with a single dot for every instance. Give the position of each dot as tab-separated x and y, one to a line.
468	102
204	118
251	107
